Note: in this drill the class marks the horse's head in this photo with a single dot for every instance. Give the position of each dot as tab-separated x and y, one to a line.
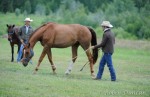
10	31
27	54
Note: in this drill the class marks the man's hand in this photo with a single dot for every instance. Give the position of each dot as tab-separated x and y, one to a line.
92	47
22	42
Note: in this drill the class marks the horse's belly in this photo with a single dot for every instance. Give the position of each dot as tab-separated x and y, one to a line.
64	43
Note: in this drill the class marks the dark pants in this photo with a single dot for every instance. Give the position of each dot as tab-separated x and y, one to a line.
106	58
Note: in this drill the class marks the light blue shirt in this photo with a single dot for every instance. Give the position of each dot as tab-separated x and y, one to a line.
27	28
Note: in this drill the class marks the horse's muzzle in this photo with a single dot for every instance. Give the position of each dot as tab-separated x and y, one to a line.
25	64
25	61
9	39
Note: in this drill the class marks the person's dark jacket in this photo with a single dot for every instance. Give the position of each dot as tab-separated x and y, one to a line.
108	42
22	33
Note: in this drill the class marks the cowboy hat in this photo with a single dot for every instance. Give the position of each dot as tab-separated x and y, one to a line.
28	19
107	24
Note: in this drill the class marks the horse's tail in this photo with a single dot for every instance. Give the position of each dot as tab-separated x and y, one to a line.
94	42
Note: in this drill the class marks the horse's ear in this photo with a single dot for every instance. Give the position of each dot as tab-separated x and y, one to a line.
13	25
7	25
28	45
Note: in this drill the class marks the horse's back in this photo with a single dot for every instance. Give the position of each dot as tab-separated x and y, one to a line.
71	29
68	34
74	30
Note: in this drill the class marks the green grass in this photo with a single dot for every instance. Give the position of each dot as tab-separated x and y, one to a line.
11	18
131	63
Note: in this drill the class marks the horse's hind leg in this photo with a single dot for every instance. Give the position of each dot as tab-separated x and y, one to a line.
89	55
49	54
41	58
86	46
74	57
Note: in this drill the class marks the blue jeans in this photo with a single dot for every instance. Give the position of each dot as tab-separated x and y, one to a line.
106	58
20	53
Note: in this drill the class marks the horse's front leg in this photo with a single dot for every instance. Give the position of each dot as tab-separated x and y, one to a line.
12	52
49	54
40	59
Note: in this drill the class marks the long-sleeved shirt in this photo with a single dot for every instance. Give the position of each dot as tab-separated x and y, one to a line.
25	33
107	42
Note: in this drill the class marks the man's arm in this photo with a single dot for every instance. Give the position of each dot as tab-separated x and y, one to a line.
102	44
20	35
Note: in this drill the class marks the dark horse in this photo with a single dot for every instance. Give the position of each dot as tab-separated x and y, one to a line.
53	35
13	38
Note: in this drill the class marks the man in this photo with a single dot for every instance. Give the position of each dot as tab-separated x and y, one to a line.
24	34
107	46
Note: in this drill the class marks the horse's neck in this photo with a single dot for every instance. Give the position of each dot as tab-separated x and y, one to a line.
37	35
15	36
33	40
16	30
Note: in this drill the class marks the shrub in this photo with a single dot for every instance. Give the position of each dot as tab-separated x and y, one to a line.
122	34
17	11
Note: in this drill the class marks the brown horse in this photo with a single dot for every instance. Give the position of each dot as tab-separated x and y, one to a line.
53	35
13	38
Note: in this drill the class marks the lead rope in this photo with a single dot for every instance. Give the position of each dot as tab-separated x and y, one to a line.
84	51
86	62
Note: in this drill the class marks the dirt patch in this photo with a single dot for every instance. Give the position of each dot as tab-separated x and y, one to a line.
4	36
134	44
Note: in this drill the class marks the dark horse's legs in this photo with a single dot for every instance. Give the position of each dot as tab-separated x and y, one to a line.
12	52
74	57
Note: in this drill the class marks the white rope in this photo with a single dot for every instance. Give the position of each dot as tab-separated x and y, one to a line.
84	51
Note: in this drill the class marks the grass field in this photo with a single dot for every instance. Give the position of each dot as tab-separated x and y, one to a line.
131	61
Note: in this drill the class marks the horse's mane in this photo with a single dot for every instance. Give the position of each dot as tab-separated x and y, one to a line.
38	29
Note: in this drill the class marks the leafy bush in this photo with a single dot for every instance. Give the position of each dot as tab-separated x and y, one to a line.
17	11
40	9
122	34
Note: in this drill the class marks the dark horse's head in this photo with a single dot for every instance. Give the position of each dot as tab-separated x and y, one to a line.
10	30
27	54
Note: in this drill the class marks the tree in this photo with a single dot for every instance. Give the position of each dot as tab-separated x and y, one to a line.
4	6
27	7
40	9
47	11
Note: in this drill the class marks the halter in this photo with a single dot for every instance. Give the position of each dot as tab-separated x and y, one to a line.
10	33
29	57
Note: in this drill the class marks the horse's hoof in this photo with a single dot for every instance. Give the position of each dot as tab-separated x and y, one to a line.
34	72
54	73
93	75
67	72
